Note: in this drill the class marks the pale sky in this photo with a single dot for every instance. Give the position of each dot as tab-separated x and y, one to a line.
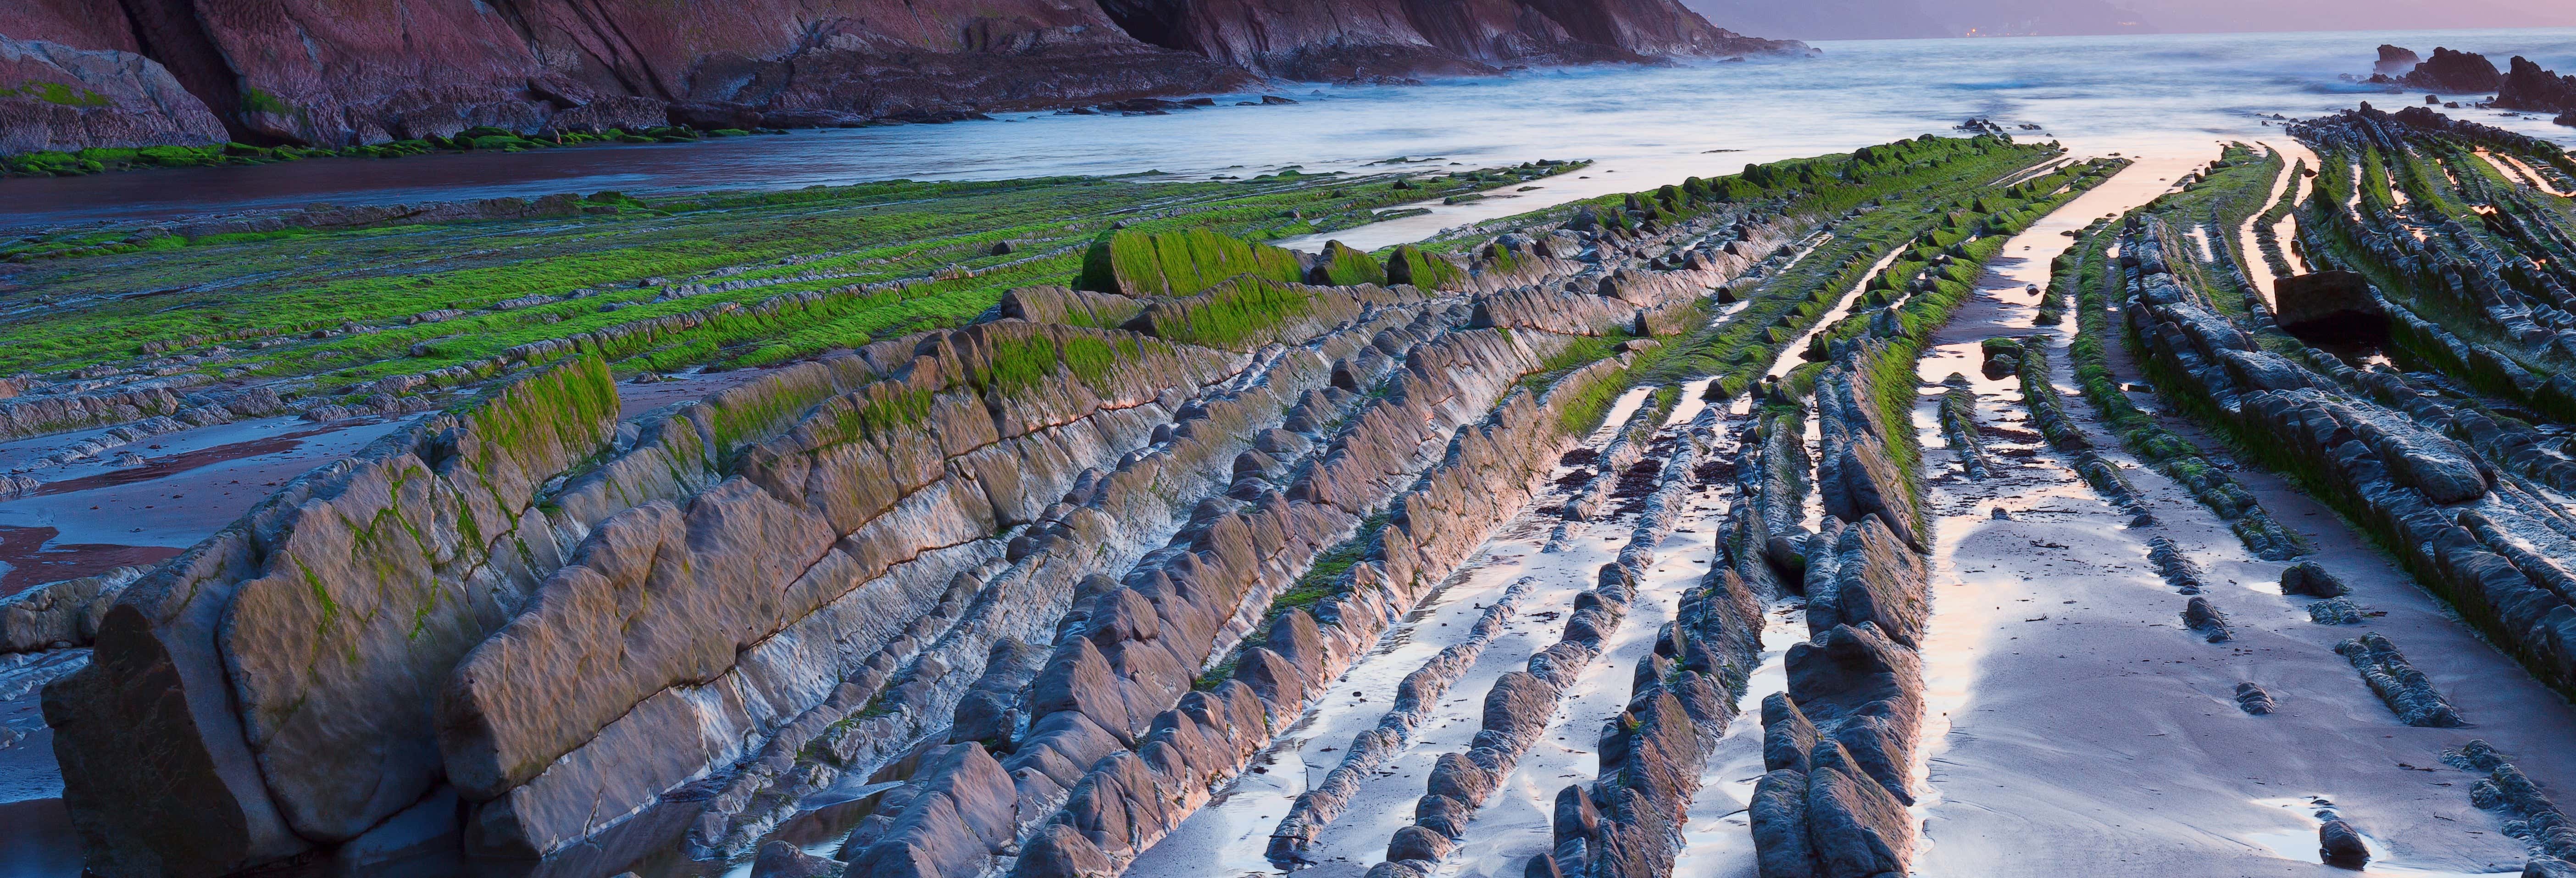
2185	16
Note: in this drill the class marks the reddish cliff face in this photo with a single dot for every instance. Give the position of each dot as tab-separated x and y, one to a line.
1387	39
339	72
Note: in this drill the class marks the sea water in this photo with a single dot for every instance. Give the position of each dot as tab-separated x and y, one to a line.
1643	126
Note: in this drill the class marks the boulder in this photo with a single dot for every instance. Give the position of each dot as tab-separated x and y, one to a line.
2252	699
1417	843
2329	308
2312	579
2200	615
2340	845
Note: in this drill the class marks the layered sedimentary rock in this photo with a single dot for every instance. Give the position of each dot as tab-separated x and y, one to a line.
1838	746
996	563
1415	699
2479	535
1628	821
1518	708
328	73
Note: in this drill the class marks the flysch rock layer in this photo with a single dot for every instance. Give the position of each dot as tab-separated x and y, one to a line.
1519	707
1684	693
1104	824
524	636
1838	746
2481	537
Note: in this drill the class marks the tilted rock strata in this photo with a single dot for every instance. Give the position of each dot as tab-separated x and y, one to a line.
593	639
1518	708
1838	746
1959	425
2474	535
1127	801
280	602
1628	822
1415	697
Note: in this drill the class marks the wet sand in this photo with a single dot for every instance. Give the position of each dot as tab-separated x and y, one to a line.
2076	727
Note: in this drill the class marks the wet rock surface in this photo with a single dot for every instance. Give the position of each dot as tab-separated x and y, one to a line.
992	564
1840	743
941	607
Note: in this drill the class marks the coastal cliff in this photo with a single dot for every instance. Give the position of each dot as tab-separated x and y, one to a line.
336	73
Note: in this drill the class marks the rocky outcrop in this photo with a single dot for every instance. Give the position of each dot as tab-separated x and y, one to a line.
1131	798
2454	72
1764	537
2395	60
2529	814
60	614
329	614
37	414
1628	822
58	97
1958	413
1856	476
1838	746
332	73
1519	708
2396	681
2528	86
1415	698
2469	531
996	563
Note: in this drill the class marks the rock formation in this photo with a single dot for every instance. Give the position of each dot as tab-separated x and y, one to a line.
2467	527
335	74
2395	60
535	635
2527	86
1839	743
2454	72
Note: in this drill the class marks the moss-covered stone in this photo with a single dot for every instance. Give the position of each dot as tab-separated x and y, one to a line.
1178	263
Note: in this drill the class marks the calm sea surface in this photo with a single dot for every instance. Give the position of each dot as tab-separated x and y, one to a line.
1645	126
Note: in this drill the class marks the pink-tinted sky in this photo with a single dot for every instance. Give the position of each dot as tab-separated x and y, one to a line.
2185	16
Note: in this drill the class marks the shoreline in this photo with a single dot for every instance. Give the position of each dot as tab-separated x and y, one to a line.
1744	113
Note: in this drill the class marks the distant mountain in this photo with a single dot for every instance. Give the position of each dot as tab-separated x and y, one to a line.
1901	19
